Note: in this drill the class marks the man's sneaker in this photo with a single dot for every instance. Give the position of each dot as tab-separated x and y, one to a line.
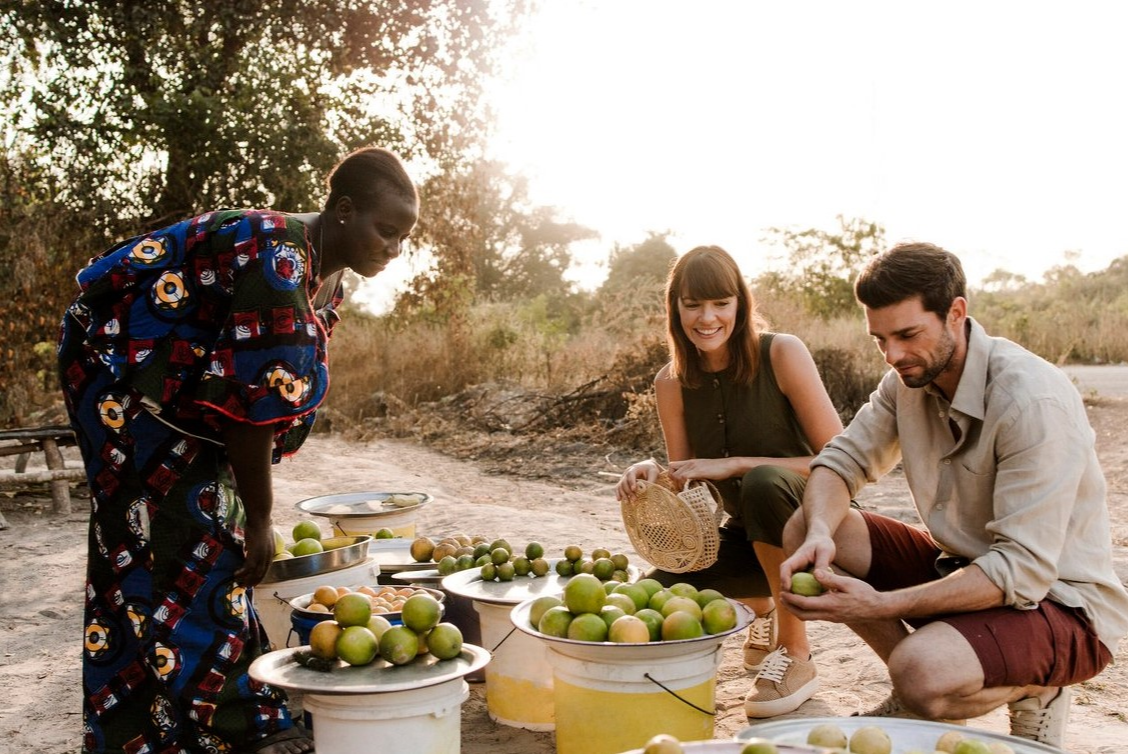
892	706
761	641
781	685
1046	724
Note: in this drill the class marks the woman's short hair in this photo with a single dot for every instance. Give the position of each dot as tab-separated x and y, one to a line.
364	174
708	273
912	270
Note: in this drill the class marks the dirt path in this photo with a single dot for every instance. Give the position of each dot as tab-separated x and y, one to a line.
41	587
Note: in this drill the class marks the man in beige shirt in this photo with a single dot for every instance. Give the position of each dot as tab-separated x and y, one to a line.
1008	595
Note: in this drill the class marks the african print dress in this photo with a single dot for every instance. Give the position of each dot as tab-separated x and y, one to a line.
172	333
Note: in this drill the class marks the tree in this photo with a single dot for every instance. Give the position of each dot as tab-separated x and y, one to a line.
823	264
645	264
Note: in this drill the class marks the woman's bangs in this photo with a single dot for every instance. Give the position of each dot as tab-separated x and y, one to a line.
707	281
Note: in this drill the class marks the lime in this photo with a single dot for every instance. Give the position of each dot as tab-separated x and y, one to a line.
610	613
306	529
600	552
658	599
284	555
505	571
540	605
584	594
555	622
503	544
620	561
420	612
654	621
681	604
681	625
279	542
622	601
563	567
706	596
383	533
583	566
870	739
972	746
356	645
323	639
539	567
718	616
463	562
483	560
663	743
447	565
760	747
603	568
307	546
621	576
682	589
500	555
480	549
534	550
636	593
522	566
352	609
629	630
651	585
827	736
445	641
609	587
421	549
488	571
588	627
948	741
573	553
378	624
804	583
399	645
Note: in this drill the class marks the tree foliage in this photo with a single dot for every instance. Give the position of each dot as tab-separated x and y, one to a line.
823	265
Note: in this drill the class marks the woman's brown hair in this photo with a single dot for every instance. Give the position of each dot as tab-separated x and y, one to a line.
708	273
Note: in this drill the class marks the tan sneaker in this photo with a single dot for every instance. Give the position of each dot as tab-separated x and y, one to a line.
1045	724
782	684
892	706
762	640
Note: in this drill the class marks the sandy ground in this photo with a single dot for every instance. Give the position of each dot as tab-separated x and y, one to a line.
42	566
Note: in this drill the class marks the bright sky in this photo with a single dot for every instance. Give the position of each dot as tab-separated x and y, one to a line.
995	129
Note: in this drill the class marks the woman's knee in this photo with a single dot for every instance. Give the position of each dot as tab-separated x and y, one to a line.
769	497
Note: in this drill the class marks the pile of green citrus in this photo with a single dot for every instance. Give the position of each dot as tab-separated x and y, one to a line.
460	552
307	541
358	637
602	564
631	613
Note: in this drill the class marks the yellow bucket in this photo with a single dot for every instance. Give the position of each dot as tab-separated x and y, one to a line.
605	704
519	679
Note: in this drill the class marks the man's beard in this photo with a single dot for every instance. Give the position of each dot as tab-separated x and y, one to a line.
946	347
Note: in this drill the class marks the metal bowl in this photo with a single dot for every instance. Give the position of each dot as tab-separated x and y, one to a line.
299	604
342	553
362	504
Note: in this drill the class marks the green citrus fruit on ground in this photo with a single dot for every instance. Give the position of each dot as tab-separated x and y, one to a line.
522	566
681	625
506	571
573	553
870	739
683	604
488	571
383	533
584	594
421	549
706	596
654	621
719	616
620	561
307	546
610	613
563	567
555	621
636	593
651	585
629	630
539	567
500	555
306	529
378	624
540	605
806	584
682	589
352	609
534	550
445	641
603	568
323	639
420	612
399	645
356	645
588	627
658	599
622	601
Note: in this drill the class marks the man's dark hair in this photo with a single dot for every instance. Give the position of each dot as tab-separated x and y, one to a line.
911	270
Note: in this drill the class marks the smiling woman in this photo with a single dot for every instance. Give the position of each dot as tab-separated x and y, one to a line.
722	121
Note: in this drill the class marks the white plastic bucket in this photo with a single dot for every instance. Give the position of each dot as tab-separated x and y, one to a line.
605	704
402	523
426	719
519	679
272	600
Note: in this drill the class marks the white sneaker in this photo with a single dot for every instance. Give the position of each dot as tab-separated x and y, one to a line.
1045	724
761	641
782	684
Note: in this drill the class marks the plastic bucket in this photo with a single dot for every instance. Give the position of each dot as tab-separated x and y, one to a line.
519	679
272	601
605	704
424	719
402	523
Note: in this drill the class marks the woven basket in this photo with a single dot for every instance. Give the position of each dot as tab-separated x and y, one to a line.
672	530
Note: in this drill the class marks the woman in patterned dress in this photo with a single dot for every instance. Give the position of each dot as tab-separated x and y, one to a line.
194	358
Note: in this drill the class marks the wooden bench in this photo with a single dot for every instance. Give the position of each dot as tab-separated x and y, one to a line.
23	443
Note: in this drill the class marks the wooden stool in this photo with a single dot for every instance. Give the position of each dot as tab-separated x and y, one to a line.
47	440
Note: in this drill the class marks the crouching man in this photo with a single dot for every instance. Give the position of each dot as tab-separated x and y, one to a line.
1007	595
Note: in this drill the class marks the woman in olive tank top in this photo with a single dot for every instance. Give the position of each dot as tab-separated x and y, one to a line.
747	410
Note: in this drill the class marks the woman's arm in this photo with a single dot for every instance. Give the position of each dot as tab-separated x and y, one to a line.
668	401
249	448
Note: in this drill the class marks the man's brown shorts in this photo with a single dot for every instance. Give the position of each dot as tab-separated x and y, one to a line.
1052	645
